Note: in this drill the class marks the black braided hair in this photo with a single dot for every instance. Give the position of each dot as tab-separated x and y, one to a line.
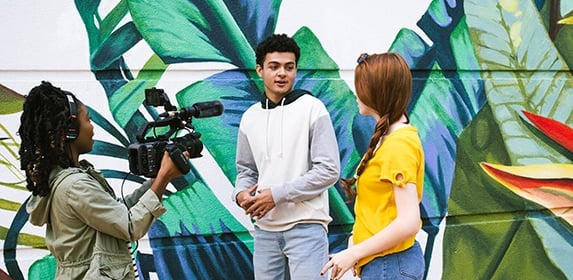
43	122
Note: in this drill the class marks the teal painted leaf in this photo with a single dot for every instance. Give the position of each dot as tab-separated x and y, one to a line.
88	11
234	89
43	268
112	19
115	46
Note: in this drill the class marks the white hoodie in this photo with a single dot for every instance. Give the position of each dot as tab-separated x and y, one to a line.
290	148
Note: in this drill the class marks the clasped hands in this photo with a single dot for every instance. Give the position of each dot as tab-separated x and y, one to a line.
256	203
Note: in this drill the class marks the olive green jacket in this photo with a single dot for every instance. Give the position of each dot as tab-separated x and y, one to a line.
87	228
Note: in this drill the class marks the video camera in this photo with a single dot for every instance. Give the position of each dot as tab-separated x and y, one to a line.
145	157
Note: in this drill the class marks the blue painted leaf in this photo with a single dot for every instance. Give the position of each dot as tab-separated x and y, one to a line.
443	103
445	99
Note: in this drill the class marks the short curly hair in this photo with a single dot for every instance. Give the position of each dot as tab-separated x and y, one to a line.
277	43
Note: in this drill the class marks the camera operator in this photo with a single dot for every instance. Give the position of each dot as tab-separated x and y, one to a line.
87	227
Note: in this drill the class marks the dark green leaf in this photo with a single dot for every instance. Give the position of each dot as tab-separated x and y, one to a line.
115	46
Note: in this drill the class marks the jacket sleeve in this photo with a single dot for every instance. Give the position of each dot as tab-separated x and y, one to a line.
325	166
132	198
247	173
100	210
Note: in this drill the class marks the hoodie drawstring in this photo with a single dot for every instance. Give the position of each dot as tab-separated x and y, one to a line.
282	125
268	132
267	157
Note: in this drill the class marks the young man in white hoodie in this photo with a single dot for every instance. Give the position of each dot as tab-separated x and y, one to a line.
287	158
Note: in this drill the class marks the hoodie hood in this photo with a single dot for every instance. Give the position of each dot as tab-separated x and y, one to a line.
288	99
39	206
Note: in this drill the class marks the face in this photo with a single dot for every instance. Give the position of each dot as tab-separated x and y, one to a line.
84	143
278	73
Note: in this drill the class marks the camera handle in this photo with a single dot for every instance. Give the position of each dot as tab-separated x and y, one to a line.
178	158
173	123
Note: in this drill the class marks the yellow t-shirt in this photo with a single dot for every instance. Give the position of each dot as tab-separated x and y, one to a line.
400	153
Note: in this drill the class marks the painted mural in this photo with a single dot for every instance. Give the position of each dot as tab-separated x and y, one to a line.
492	100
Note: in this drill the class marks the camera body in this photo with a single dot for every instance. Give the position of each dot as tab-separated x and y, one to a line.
145	156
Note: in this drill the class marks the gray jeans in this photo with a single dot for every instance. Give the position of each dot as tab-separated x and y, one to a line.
297	253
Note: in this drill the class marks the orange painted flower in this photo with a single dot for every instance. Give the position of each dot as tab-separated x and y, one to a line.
550	185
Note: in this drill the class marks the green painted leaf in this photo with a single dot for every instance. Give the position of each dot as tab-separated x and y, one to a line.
503	37
9	205
564	43
485	218
10	101
43	268
25	239
126	100
186	31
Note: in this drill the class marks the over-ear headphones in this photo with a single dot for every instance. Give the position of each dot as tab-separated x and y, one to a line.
73	126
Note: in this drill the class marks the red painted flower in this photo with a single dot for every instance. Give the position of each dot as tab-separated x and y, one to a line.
550	185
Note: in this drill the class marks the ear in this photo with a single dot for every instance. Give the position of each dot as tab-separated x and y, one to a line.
259	70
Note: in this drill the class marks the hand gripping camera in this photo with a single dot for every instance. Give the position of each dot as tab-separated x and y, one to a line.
145	157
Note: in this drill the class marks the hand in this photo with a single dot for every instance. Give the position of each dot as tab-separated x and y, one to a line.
259	204
242	196
340	263
168	170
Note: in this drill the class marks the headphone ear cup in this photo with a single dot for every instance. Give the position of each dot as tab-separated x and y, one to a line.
72	130
73	125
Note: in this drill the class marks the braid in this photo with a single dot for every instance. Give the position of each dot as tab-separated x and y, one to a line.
380	130
42	125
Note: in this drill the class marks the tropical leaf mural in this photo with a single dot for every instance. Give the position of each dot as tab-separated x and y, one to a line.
491	99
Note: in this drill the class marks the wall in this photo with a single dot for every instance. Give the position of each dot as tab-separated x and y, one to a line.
492	100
